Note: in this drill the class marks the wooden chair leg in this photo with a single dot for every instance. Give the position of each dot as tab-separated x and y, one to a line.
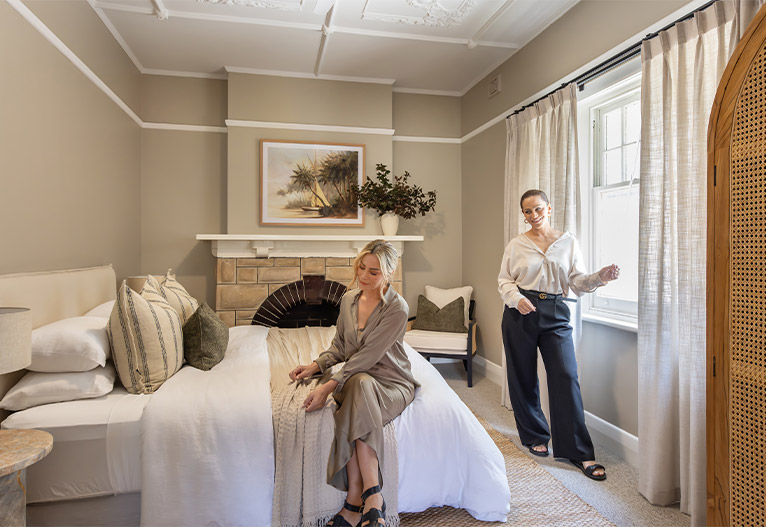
469	371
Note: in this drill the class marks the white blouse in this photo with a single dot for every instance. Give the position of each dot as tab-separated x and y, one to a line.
555	271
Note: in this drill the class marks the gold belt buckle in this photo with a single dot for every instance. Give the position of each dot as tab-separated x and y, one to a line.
542	296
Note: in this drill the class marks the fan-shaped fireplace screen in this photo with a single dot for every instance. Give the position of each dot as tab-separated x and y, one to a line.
312	301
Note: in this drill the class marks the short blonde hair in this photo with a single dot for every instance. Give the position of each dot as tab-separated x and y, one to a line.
387	256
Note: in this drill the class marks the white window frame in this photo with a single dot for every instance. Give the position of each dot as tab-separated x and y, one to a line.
618	84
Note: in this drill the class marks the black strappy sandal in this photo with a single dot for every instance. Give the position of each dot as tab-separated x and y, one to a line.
340	521
373	515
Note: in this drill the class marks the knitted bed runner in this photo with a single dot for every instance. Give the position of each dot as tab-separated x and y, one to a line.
302	442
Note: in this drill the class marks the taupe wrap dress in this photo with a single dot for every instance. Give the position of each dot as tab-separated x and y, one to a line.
375	384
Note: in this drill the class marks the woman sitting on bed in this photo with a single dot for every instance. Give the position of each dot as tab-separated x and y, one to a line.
373	387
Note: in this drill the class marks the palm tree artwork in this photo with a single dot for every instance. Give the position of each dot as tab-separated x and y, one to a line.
311	182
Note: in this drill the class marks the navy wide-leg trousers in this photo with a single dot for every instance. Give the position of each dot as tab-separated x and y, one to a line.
549	330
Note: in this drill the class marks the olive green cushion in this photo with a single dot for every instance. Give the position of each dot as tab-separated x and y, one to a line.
449	318
205	338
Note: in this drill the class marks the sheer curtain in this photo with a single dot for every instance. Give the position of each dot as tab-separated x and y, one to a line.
541	152
681	69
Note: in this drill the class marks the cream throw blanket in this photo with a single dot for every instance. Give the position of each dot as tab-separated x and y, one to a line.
302	441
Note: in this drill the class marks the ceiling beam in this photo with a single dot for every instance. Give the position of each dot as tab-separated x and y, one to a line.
326	32
160	10
474	40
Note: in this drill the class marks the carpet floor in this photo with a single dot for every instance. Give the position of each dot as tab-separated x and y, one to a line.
615	501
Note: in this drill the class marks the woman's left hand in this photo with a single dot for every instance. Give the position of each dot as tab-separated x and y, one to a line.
318	396
609	273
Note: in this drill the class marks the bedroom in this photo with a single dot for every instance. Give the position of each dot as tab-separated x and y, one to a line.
101	189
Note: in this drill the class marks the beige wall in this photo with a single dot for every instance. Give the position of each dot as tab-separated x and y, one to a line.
183	193
588	30
70	159
78	25
183	100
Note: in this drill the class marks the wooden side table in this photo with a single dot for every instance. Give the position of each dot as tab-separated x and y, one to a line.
18	450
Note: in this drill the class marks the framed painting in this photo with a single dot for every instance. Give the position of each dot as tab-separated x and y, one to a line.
310	183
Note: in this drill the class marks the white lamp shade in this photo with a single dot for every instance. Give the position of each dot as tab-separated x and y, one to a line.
15	338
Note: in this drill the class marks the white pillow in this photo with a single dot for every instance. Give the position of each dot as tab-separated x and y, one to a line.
102	310
442	297
70	344
36	388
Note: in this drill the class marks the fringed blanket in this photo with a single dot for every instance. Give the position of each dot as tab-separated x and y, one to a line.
302	441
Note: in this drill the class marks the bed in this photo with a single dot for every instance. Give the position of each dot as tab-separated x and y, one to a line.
109	449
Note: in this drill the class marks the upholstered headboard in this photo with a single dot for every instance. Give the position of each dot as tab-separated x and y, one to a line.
53	295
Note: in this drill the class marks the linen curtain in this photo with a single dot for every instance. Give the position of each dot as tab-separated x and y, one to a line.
681	68
541	152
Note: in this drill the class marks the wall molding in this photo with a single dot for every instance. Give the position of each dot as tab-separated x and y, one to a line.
235	123
185	127
612	438
490	370
416	139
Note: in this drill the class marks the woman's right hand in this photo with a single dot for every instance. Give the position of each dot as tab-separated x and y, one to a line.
525	307
304	371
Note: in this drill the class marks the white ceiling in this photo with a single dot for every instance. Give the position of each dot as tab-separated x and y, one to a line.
428	46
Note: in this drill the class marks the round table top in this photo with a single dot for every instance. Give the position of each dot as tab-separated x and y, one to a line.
21	448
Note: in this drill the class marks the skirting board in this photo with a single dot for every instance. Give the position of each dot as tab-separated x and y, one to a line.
605	434
615	440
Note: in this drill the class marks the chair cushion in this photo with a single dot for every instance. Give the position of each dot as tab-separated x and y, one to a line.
436	341
442	297
431	318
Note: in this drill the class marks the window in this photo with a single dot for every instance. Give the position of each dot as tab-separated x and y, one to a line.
610	138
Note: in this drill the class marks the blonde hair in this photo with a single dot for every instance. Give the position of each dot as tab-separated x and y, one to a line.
387	256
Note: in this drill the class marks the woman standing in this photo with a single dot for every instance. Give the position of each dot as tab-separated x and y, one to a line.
538	270
373	387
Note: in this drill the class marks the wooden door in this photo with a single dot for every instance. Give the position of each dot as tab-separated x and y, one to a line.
736	288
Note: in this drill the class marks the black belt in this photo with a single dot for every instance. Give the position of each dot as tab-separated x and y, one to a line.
540	295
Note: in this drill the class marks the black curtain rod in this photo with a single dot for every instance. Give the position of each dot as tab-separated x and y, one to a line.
614	61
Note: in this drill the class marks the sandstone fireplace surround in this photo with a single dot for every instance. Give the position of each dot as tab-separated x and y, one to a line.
253	270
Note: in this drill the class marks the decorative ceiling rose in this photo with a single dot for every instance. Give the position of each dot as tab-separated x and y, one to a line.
436	14
270	4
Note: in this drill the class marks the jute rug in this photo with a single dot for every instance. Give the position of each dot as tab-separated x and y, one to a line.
537	498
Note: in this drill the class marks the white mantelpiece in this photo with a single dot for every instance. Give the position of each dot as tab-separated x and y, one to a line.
296	245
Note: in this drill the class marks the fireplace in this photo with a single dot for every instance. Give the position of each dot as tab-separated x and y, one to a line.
257	273
312	301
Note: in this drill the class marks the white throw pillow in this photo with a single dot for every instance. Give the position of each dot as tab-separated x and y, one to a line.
146	337
36	388
70	344
101	310
442	297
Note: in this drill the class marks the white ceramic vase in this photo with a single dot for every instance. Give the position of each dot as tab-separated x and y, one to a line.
389	222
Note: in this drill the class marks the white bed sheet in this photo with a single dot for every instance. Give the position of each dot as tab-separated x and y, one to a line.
445	456
96	446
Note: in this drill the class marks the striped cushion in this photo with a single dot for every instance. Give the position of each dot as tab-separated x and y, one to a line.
146	337
178	297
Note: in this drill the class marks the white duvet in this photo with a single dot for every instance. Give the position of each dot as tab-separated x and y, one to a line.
208	456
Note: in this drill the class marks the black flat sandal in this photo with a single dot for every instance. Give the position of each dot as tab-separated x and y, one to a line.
340	521
590	469
373	515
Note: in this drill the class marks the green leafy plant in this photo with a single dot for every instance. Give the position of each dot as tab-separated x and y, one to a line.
397	196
